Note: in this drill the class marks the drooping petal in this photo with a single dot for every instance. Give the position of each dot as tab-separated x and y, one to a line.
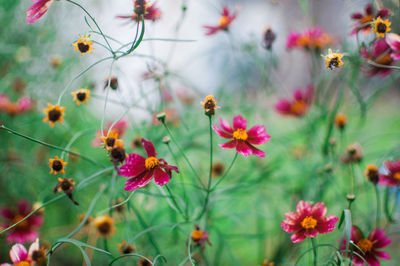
134	166
139	181
149	148
311	232
34	246
229	145
356	234
382	254
239	123
166	166
18	253
255	151
24	207
243	148
222	133
257	135
298	237
160	177
225	125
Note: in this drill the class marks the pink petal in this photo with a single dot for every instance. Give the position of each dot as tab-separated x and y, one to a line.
34	246
256	151
303	208
24	207
290	228
229	145
378	236
311	233
149	148
243	148
222	133
134	165
298	237
139	181
382	254
395	56
18	253
225	125
7	213
327	224
160	177
318	210
356	234
239	123
257	135
388	180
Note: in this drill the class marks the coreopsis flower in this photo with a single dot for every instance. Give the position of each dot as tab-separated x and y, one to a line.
372	173
23	105
37	10
299	105
83	44
333	60
199	237
380	53
119	127
144	262
142	8
242	140
209	105
67	186
136	142
142	170
381	27
81	96
340	121
82	216
370	246
21	257
125	248
26	230
268	38
364	20
354	154
308	221
113	83
311	39
267	263
57	165
104	225
117	155
392	177
393	40
224	22
54	114
111	141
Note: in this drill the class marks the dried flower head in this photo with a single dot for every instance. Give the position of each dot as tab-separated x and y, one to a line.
333	60
269	38
57	165
83	44
81	96
54	114
126	248
113	83
67	186
353	154
372	173
210	105
104	225
217	169
340	121
117	155
381	27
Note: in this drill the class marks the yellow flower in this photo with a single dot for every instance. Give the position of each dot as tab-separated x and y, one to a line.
333	60
104	225
57	165
112	140
380	27
83	44
81	96
209	105
54	114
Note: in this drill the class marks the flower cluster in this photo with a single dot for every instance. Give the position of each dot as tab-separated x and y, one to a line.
22	105
313	38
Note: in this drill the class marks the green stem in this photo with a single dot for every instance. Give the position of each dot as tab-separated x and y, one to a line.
135	44
226	173
171	196
378	208
314	250
49	145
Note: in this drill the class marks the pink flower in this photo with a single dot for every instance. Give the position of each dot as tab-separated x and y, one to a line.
308	221
363	20
376	240
119	128
393	40
37	10
380	54
25	231
151	13
142	170
392	178
242	140
299	105
199	237
24	104
19	255
4	102
224	22
312	38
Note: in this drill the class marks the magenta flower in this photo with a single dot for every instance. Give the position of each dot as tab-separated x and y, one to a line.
25	231
392	178
308	221
393	40
364	20
142	170
119	127
380	53
376	240
20	256
312	38
242	140
151	13
224	22
299	105
37	10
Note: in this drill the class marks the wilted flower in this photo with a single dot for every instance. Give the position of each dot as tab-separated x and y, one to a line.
209	105
26	230
381	27
354	154
268	38
37	10
199	237
67	186
333	60
142	170
54	114
308	221
393	40
370	246
81	96
298	106
313	38
142	8
118	155
392	178
136	142
217	169
340	121
57	165
119	127
125	248
372	173
104	225
364	20
83	44
242	140
113	83
380	53
224	22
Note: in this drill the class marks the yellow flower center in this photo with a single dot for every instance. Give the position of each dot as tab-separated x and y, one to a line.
298	107
197	234
397	175
151	162
240	134
22	263
365	245
309	223
223	21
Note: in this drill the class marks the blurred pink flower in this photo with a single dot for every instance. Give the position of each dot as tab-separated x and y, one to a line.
380	53
119	127
24	104
242	140
308	221
392	178
151	13
299	105
393	40
37	10
376	240
21	257
25	231
142	170
364	20
312	38
224	22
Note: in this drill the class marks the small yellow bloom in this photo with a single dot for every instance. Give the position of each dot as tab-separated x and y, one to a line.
340	121
333	60
112	140
81	96
104	225
54	114
83	44
380	27
209	105
57	165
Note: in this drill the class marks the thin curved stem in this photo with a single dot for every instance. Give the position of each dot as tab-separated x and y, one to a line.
226	173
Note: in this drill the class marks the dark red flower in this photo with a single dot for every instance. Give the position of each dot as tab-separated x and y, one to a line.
142	170
299	105
392	178
151	12
364	20
224	22
380	53
37	10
